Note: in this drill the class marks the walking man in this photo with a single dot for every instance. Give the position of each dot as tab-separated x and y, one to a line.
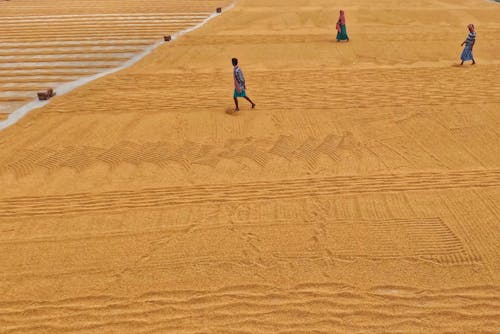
239	85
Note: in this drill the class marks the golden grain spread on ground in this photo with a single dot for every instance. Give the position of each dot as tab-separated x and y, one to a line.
362	195
46	43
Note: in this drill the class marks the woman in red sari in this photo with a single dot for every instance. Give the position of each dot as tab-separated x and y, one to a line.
341	28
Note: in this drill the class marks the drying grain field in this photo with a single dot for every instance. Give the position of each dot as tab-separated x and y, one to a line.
362	195
47	43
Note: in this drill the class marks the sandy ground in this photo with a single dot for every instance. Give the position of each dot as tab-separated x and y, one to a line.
361	196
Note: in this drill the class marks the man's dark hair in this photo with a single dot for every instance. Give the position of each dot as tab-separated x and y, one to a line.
235	61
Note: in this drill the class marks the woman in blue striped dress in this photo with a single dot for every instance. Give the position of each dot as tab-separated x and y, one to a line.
469	45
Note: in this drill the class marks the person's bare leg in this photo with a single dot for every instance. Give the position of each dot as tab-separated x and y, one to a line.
248	99
462	62
473	61
236	104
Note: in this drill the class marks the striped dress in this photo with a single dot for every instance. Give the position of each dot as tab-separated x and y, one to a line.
469	42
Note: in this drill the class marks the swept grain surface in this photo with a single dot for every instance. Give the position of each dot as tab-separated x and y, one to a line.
362	195
69	39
